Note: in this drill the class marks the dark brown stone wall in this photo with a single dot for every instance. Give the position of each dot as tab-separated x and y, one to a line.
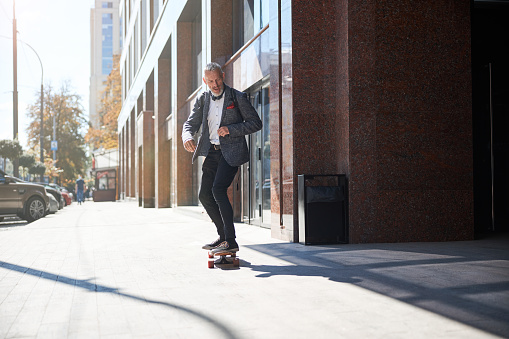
162	97
183	166
382	92
147	161
221	31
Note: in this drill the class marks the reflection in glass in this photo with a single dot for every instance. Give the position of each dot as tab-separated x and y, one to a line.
266	201
249	17
106	180
107	43
256	179
197	51
103	183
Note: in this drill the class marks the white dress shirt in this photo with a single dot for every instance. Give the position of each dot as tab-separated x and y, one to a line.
214	118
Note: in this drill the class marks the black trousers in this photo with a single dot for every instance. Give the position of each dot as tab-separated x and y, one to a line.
217	177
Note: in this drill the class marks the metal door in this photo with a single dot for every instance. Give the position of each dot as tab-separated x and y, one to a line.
256	174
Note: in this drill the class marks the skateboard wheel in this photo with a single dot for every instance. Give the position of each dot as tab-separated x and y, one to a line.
211	263
211	256
236	262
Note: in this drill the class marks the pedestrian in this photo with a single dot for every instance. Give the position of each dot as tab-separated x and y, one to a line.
86	194
225	116
80	184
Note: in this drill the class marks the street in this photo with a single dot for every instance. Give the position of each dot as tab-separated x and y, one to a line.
115	270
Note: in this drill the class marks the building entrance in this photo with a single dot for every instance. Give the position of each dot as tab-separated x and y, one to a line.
256	178
490	118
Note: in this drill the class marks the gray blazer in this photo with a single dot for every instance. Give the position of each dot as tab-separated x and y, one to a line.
238	115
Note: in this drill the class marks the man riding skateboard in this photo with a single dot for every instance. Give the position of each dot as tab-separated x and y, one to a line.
225	116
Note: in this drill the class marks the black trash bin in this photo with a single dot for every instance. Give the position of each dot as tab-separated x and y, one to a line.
323	209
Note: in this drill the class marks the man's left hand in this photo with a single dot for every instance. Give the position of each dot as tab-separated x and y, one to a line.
223	131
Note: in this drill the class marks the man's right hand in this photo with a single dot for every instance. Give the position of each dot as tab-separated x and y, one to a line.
190	145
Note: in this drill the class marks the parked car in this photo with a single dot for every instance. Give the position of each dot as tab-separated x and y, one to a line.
25	200
65	193
55	192
53	204
67	198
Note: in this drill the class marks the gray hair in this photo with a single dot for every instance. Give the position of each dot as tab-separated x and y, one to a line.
213	66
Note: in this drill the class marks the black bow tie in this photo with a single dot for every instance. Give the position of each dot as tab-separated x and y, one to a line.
214	98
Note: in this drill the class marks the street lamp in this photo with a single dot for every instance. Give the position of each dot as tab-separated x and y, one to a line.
42	104
15	83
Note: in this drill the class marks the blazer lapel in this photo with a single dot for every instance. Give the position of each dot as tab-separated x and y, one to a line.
205	121
228	99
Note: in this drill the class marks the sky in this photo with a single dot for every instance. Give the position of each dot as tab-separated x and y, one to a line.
59	31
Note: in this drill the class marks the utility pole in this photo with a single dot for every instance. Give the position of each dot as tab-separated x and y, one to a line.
15	83
55	139
41	140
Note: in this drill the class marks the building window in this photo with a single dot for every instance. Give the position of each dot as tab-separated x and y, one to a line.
121	34
106	180
262	14
143	26
127	12
131	62
155	13
125	76
249	17
107	43
197	51
136	47
107	4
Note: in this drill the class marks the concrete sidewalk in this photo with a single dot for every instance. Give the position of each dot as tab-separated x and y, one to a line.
114	270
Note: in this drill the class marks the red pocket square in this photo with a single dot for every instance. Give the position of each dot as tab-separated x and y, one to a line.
231	106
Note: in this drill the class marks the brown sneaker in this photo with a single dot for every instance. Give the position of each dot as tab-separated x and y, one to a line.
212	244
225	246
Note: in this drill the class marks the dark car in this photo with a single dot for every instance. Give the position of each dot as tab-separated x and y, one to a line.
25	200
54	192
66	194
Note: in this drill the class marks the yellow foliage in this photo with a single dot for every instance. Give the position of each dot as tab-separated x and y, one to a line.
63	109
111	104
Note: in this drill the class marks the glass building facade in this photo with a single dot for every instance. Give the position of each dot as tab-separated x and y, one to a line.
107	43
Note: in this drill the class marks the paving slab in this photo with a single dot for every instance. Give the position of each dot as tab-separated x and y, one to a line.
115	270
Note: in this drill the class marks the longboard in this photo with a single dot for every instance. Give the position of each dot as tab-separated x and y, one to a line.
234	260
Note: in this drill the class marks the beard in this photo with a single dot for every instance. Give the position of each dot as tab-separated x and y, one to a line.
216	94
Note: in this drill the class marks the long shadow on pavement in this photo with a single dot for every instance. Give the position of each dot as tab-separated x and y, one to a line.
92	287
464	281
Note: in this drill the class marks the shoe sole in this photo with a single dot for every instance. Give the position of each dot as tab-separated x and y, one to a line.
233	250
208	247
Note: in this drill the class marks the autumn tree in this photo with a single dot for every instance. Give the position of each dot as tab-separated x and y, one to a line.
10	149
65	107
26	160
105	135
38	168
